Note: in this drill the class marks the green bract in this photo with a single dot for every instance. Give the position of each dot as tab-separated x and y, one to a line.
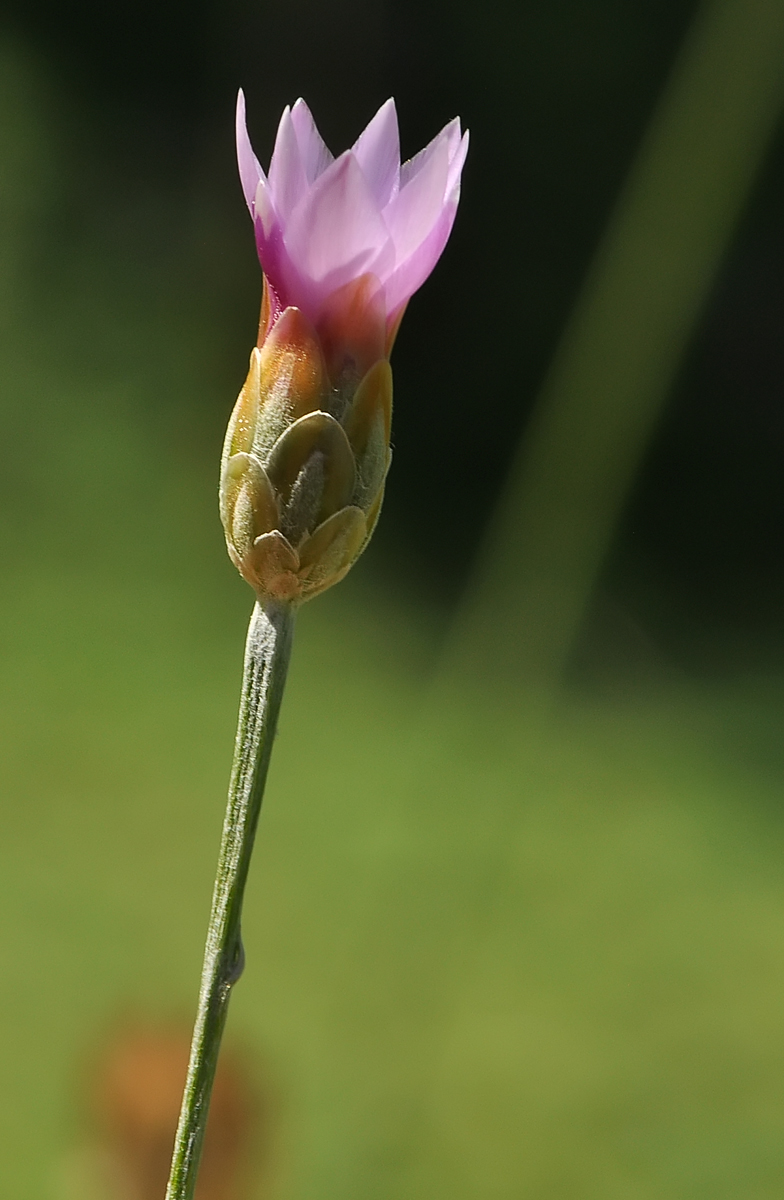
303	466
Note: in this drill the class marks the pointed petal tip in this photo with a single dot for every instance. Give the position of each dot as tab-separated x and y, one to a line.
240	119
452	133
456	164
251	174
377	150
344	162
288	180
314	153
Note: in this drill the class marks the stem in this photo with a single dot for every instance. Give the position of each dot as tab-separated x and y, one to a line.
267	653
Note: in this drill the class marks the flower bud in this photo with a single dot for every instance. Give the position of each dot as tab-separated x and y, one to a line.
304	464
343	244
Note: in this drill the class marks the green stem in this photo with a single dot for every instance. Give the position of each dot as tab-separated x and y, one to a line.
267	653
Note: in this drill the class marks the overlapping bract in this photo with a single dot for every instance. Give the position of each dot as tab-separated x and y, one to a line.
301	487
343	243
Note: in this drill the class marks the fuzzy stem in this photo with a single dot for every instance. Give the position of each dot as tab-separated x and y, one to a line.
267	653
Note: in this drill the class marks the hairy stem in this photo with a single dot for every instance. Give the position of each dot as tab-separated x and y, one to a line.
267	653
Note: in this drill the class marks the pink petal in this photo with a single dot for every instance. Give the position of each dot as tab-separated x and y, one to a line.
286	173
250	170
450	134
336	231
315	155
321	224
455	169
377	150
410	275
263	209
269	239
417	207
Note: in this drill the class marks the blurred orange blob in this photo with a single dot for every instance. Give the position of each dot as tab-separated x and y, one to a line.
136	1095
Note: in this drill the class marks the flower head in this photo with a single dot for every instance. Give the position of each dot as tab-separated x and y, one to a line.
322	223
343	243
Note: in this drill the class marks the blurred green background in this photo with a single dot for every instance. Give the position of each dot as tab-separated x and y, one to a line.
503	941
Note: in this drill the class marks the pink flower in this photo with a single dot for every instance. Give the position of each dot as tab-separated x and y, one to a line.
344	243
359	231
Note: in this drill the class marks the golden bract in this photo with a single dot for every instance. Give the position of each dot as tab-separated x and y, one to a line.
303	465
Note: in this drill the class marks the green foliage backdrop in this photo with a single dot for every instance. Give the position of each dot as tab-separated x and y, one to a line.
486	958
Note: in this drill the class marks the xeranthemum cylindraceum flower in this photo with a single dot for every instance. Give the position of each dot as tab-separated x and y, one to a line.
343	243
